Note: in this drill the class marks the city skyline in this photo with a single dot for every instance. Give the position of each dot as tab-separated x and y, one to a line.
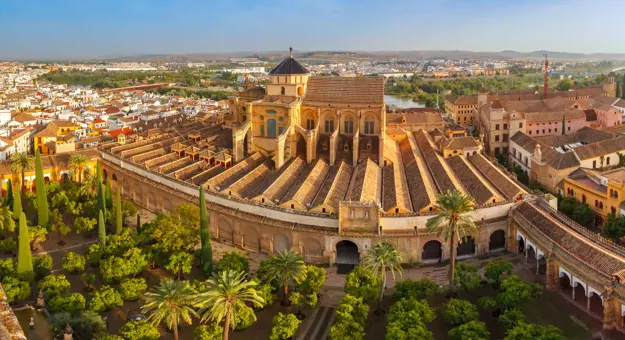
73	29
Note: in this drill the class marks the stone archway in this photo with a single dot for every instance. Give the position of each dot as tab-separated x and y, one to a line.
114	177
497	240
580	294
595	304
521	245
280	243
226	232
65	178
347	253
312	250
432	251
466	248
104	175
251	239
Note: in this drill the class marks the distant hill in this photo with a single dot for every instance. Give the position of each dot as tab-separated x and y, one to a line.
346	55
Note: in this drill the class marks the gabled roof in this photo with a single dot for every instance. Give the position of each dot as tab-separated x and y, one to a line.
289	66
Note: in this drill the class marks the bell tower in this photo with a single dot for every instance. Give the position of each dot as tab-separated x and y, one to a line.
289	78
609	85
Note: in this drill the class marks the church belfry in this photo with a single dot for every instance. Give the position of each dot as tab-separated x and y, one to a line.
289	78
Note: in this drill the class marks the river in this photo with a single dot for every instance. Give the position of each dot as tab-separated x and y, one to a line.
403	102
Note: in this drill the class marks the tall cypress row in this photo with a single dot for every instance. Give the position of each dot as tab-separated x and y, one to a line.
42	200
9	199
17	203
118	213
101	229
206	257
24	257
138	223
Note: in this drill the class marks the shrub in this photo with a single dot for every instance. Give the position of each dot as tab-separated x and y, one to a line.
213	331
265	291
234	261
54	285
15	289
411	310
95	253
74	263
139	330
104	299
245	318
474	330
467	276
514	292
8	245
284	326
511	318
486	302
418	289
115	269
71	303
7	268
394	331
458	312
84	224
86	325
495	269
314	279
180	263
362	283
42	265
352	308
133	289
524	331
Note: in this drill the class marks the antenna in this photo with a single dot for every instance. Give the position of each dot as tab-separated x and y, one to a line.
546	82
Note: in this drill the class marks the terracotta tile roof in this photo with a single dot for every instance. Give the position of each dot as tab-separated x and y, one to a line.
416	185
554	115
462	142
367	171
434	163
334	188
500	181
601	148
595	256
289	66
470	180
355	90
304	193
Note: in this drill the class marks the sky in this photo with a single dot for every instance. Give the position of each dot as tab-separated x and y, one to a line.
49	29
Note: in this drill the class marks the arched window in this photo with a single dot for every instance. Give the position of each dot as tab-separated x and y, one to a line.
329	125
584	199
600	205
282	91
369	125
262	117
348	126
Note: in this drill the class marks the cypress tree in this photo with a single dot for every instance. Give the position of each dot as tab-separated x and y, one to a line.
138	223
42	200
9	199
17	203
118	213
563	126
618	89
98	171
101	229
206	257
108	197
24	257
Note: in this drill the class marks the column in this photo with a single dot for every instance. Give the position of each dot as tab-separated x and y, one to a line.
588	302
526	254
538	266
552	282
573	291
609	312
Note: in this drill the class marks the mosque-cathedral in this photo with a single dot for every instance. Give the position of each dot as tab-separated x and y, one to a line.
319	165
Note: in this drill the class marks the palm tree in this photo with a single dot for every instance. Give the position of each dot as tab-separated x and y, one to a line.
378	259
21	163
286	267
226	296
78	163
90	187
171	301
452	221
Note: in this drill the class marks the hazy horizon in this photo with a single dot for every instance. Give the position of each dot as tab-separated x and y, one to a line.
72	29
